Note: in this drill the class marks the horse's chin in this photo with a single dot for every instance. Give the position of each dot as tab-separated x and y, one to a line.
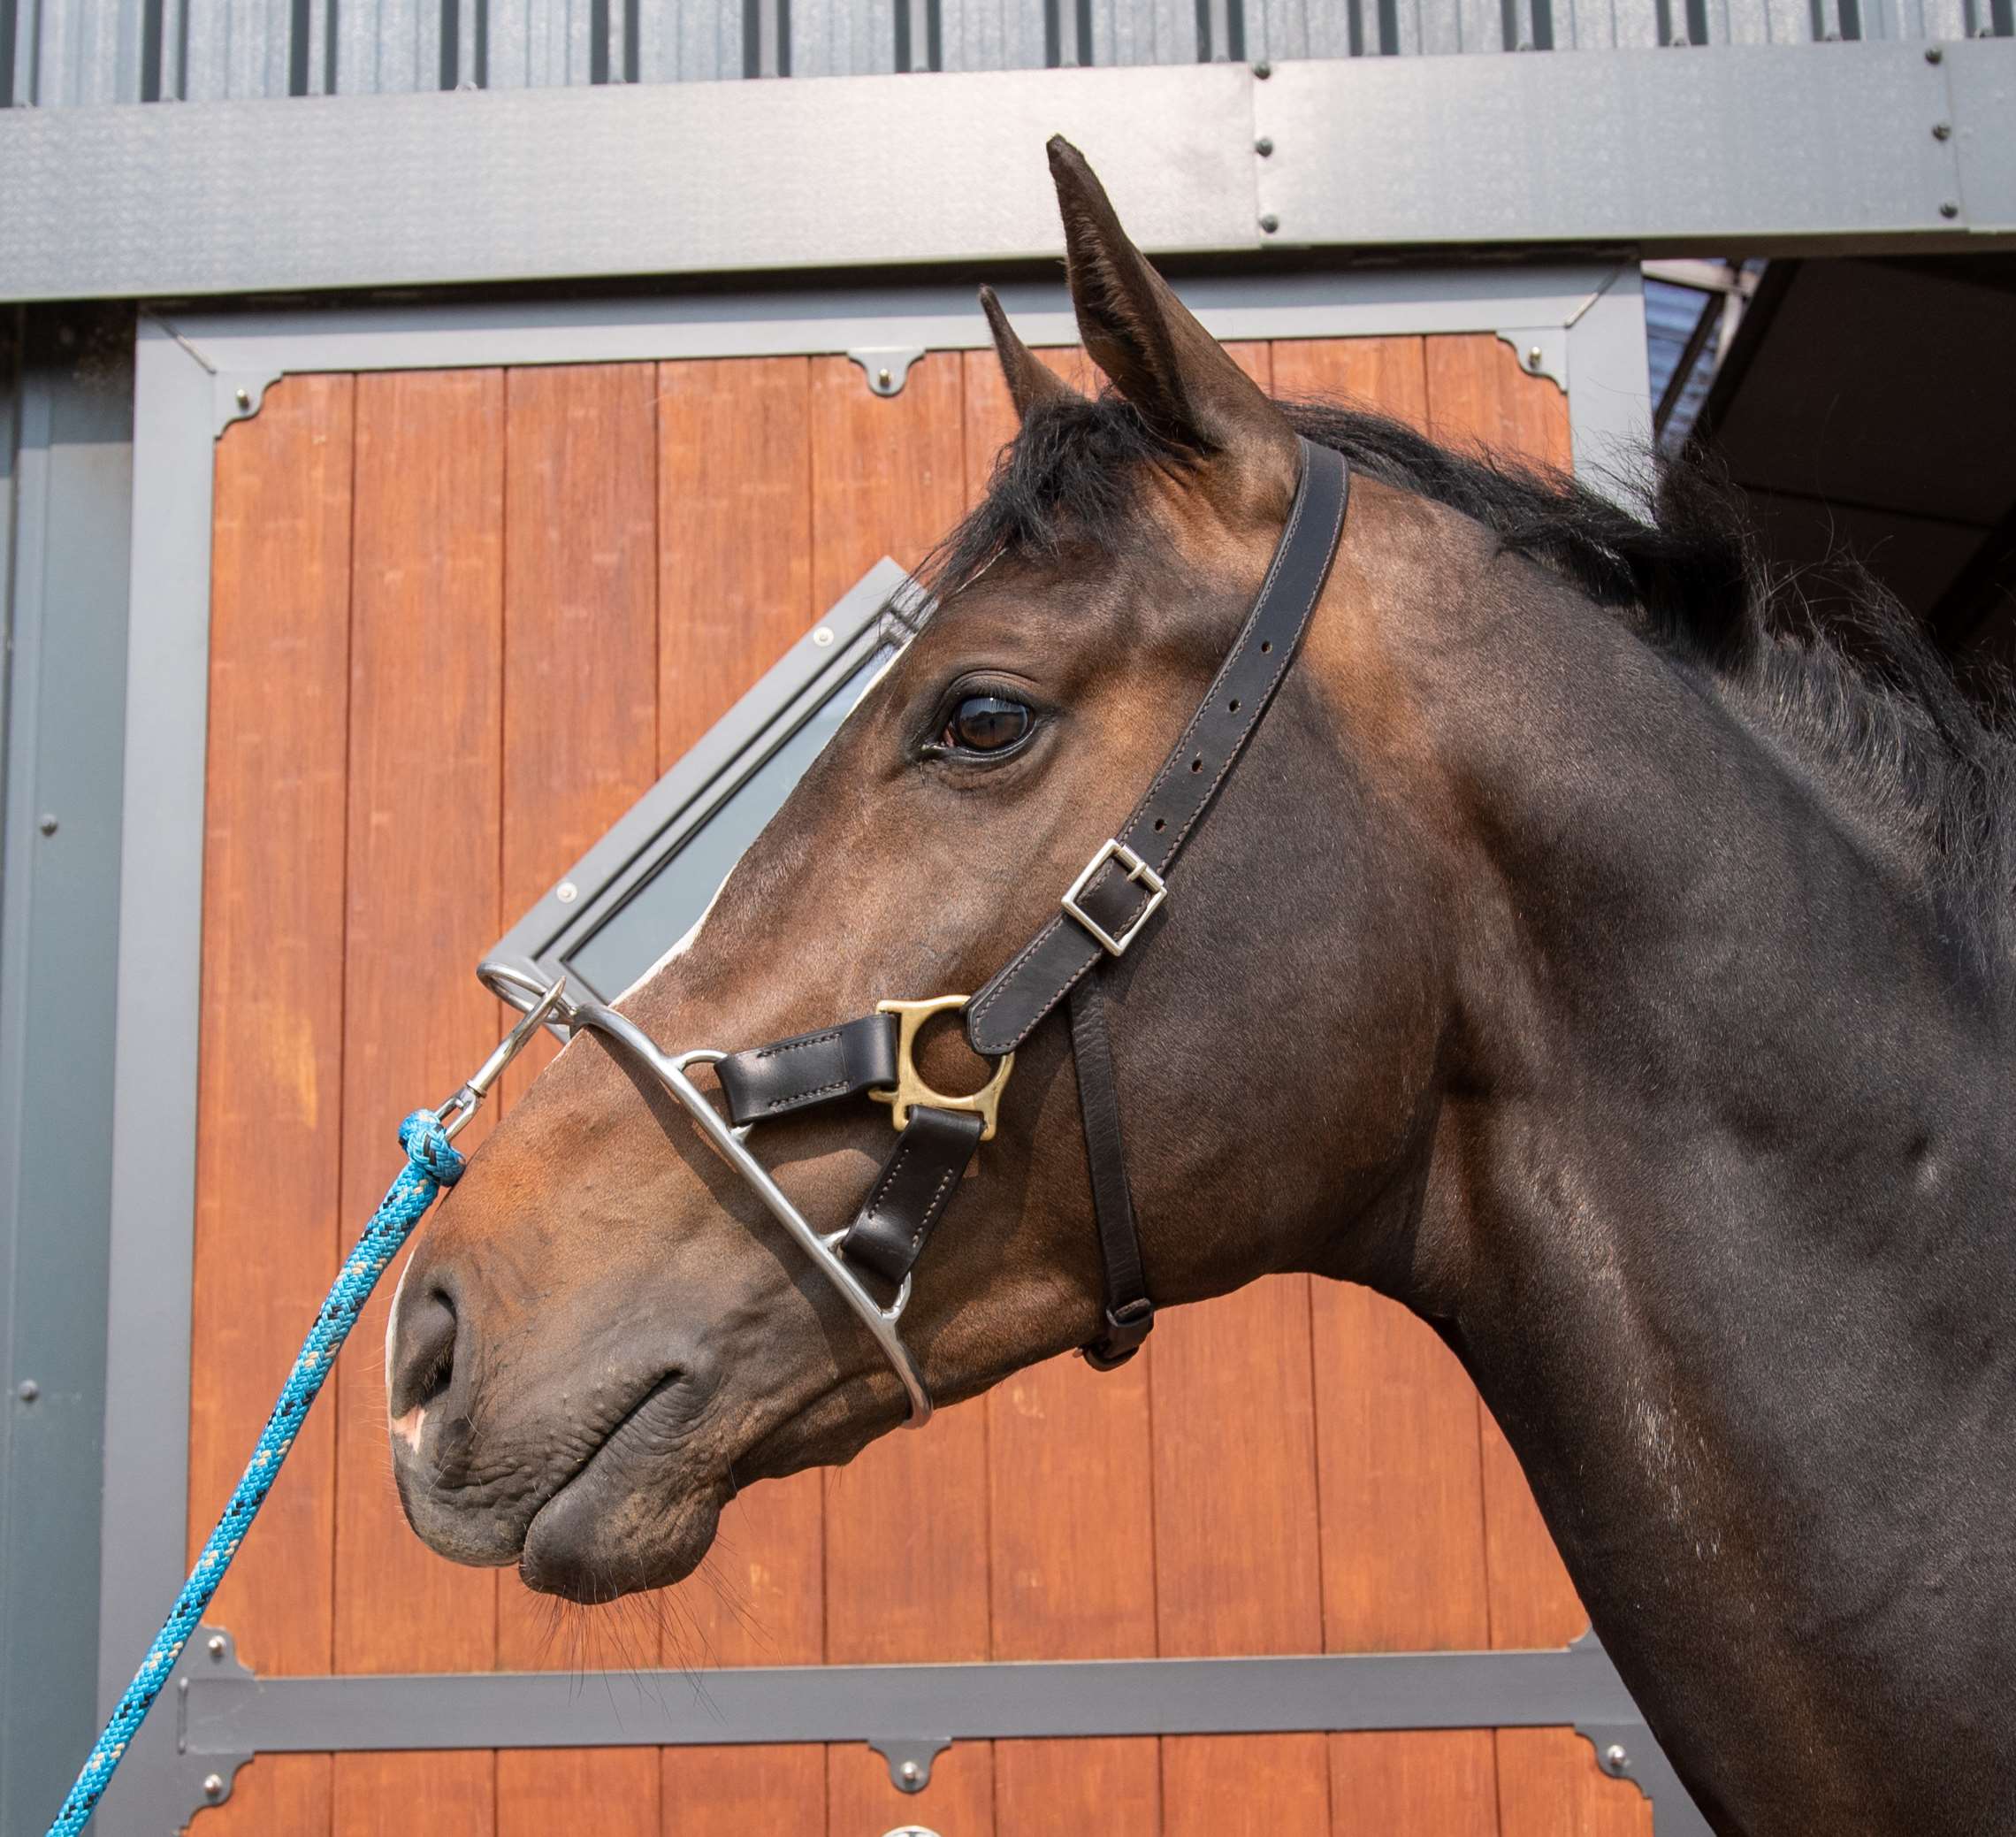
597	1538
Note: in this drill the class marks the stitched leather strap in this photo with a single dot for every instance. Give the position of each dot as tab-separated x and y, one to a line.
809	1068
1129	1314
912	1191
1001	1016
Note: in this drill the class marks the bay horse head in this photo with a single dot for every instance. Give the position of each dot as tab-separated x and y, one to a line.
1586	951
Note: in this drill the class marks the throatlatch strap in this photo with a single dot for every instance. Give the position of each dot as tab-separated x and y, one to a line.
1129	1313
1038	976
912	1191
809	1068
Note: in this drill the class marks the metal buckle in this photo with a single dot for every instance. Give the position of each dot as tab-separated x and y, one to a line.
910	1088
1139	872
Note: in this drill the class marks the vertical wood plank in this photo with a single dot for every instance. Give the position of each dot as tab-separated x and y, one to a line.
271	1033
1244	1785
735	593
580	746
1550	1786
888	473
735	511
425	769
1389	375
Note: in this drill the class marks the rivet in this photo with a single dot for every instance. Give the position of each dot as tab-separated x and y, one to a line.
1263	70
1616	1758
1269	223
823	636
1933	55
567	892
215	1645
47	825
213	1785
1533	357
28	1390
1949	209
883	377
242	397
1942	130
910	1772
1264	147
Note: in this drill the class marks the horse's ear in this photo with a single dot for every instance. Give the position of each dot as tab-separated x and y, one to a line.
1030	380
1143	337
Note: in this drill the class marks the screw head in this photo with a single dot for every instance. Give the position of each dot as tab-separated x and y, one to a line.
47	825
1263	70
884	378
213	1787
28	1390
1534	356
1942	130
1933	55
1269	223
1949	209
242	397
910	1773
1264	146
567	892
1614	1757
215	1645
823	636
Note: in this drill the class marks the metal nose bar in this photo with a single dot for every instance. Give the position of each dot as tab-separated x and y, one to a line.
541	1005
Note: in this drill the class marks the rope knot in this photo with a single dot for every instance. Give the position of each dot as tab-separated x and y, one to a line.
427	1148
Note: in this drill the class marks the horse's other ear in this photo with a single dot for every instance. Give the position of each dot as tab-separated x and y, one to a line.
1030	380
1145	340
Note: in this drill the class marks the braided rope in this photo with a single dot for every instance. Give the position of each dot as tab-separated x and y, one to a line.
430	1164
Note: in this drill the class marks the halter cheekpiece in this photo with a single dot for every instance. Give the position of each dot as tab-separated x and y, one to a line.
1102	914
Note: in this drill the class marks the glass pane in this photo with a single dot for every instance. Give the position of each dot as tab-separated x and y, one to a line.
665	905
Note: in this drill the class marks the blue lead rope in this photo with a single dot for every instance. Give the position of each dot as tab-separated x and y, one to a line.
430	1164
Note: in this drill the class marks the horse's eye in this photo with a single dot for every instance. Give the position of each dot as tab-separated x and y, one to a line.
985	724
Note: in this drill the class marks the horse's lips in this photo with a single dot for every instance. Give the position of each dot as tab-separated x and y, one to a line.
585	1542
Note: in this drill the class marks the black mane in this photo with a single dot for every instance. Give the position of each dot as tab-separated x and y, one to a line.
1853	683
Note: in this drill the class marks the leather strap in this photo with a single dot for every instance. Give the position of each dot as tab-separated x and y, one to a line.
912	1191
809	1068
1129	1313
1001	1015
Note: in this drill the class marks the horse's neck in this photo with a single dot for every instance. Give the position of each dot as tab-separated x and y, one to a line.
1737	1202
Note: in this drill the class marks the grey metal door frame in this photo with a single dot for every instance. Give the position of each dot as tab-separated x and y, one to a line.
1581	324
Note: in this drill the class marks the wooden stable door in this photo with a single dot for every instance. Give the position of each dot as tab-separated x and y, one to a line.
462	620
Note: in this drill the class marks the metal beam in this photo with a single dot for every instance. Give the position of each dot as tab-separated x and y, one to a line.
227	1714
1792	147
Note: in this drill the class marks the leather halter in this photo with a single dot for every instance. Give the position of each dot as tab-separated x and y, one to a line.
1104	914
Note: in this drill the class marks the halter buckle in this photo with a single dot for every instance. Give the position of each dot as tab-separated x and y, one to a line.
1139	872
910	1086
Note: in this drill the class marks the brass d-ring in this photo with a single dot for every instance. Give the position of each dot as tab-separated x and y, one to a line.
912	1090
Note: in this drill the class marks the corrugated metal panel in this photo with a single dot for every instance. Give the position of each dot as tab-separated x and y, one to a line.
61	53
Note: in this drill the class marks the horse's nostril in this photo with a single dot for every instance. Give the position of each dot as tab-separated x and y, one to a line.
426	1362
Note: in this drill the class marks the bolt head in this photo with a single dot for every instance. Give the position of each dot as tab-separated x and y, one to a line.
47	825
884	378
1943	131
1264	146
822	636
1534	356
910	1772
1949	209
1614	1757
213	1787
28	1390
215	1645
1933	55
242	397
567	892
1269	223
1263	70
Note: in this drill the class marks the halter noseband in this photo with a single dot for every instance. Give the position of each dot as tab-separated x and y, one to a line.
1100	917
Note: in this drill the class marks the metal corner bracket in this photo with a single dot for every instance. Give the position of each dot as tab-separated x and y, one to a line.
1542	350
241	394
910	1758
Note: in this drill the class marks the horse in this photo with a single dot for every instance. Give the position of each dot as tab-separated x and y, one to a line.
1597	950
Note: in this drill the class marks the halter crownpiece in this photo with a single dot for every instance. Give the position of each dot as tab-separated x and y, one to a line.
1104	914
